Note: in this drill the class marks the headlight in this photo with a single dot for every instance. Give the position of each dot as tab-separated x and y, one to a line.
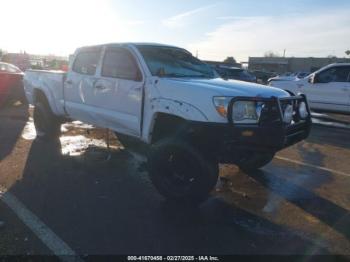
243	112
303	113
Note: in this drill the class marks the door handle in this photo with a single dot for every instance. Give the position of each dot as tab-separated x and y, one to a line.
100	87
69	82
344	89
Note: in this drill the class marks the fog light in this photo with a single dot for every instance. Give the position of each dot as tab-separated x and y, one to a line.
247	133
303	113
288	114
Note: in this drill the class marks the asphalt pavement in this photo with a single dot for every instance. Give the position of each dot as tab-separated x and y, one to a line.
75	195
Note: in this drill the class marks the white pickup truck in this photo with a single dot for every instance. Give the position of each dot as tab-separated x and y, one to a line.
190	119
327	89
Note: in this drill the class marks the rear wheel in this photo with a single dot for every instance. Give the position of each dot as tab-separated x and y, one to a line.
180	172
47	125
250	161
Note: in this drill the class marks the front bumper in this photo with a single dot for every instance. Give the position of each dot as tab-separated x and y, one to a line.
271	134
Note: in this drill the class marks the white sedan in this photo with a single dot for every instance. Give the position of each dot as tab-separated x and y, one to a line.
327	89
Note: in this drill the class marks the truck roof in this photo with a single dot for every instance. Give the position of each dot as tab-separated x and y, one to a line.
332	65
339	64
125	44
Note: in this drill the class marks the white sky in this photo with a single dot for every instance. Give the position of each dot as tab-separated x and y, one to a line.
313	35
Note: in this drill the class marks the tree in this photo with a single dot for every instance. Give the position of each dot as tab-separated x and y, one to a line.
271	54
230	60
1	52
347	52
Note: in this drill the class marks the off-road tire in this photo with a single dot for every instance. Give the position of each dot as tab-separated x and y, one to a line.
180	172
47	125
251	161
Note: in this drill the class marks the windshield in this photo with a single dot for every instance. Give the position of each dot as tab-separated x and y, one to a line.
174	62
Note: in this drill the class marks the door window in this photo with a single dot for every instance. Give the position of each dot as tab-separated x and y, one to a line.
86	62
335	74
119	63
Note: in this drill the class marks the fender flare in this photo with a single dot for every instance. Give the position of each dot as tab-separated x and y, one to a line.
177	108
49	97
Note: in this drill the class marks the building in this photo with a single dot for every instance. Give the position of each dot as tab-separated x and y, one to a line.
217	63
292	64
21	60
25	61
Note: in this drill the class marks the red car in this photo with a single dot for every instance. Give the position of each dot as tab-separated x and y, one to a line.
11	84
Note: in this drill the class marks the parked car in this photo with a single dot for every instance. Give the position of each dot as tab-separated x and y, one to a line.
236	73
262	77
289	77
301	75
11	84
327	89
188	118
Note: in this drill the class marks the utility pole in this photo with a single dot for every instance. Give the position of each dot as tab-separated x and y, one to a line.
284	53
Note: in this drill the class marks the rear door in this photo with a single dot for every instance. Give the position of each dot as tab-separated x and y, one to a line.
117	96
79	85
330	90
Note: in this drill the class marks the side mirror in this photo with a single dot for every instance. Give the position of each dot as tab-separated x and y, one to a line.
160	72
311	79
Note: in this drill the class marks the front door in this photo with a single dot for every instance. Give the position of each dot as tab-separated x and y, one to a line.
330	90
117	93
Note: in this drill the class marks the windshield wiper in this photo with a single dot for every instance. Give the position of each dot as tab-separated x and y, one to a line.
206	76
182	75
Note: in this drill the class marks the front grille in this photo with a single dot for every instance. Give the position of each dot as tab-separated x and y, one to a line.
270	114
273	109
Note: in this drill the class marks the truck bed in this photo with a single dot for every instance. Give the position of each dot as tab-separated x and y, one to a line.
48	81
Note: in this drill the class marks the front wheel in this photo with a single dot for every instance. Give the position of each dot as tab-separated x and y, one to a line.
47	125
250	161
180	172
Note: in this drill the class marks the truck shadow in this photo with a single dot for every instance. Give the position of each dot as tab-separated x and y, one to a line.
110	207
13	120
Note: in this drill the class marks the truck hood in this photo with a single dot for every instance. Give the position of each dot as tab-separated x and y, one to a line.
191	88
